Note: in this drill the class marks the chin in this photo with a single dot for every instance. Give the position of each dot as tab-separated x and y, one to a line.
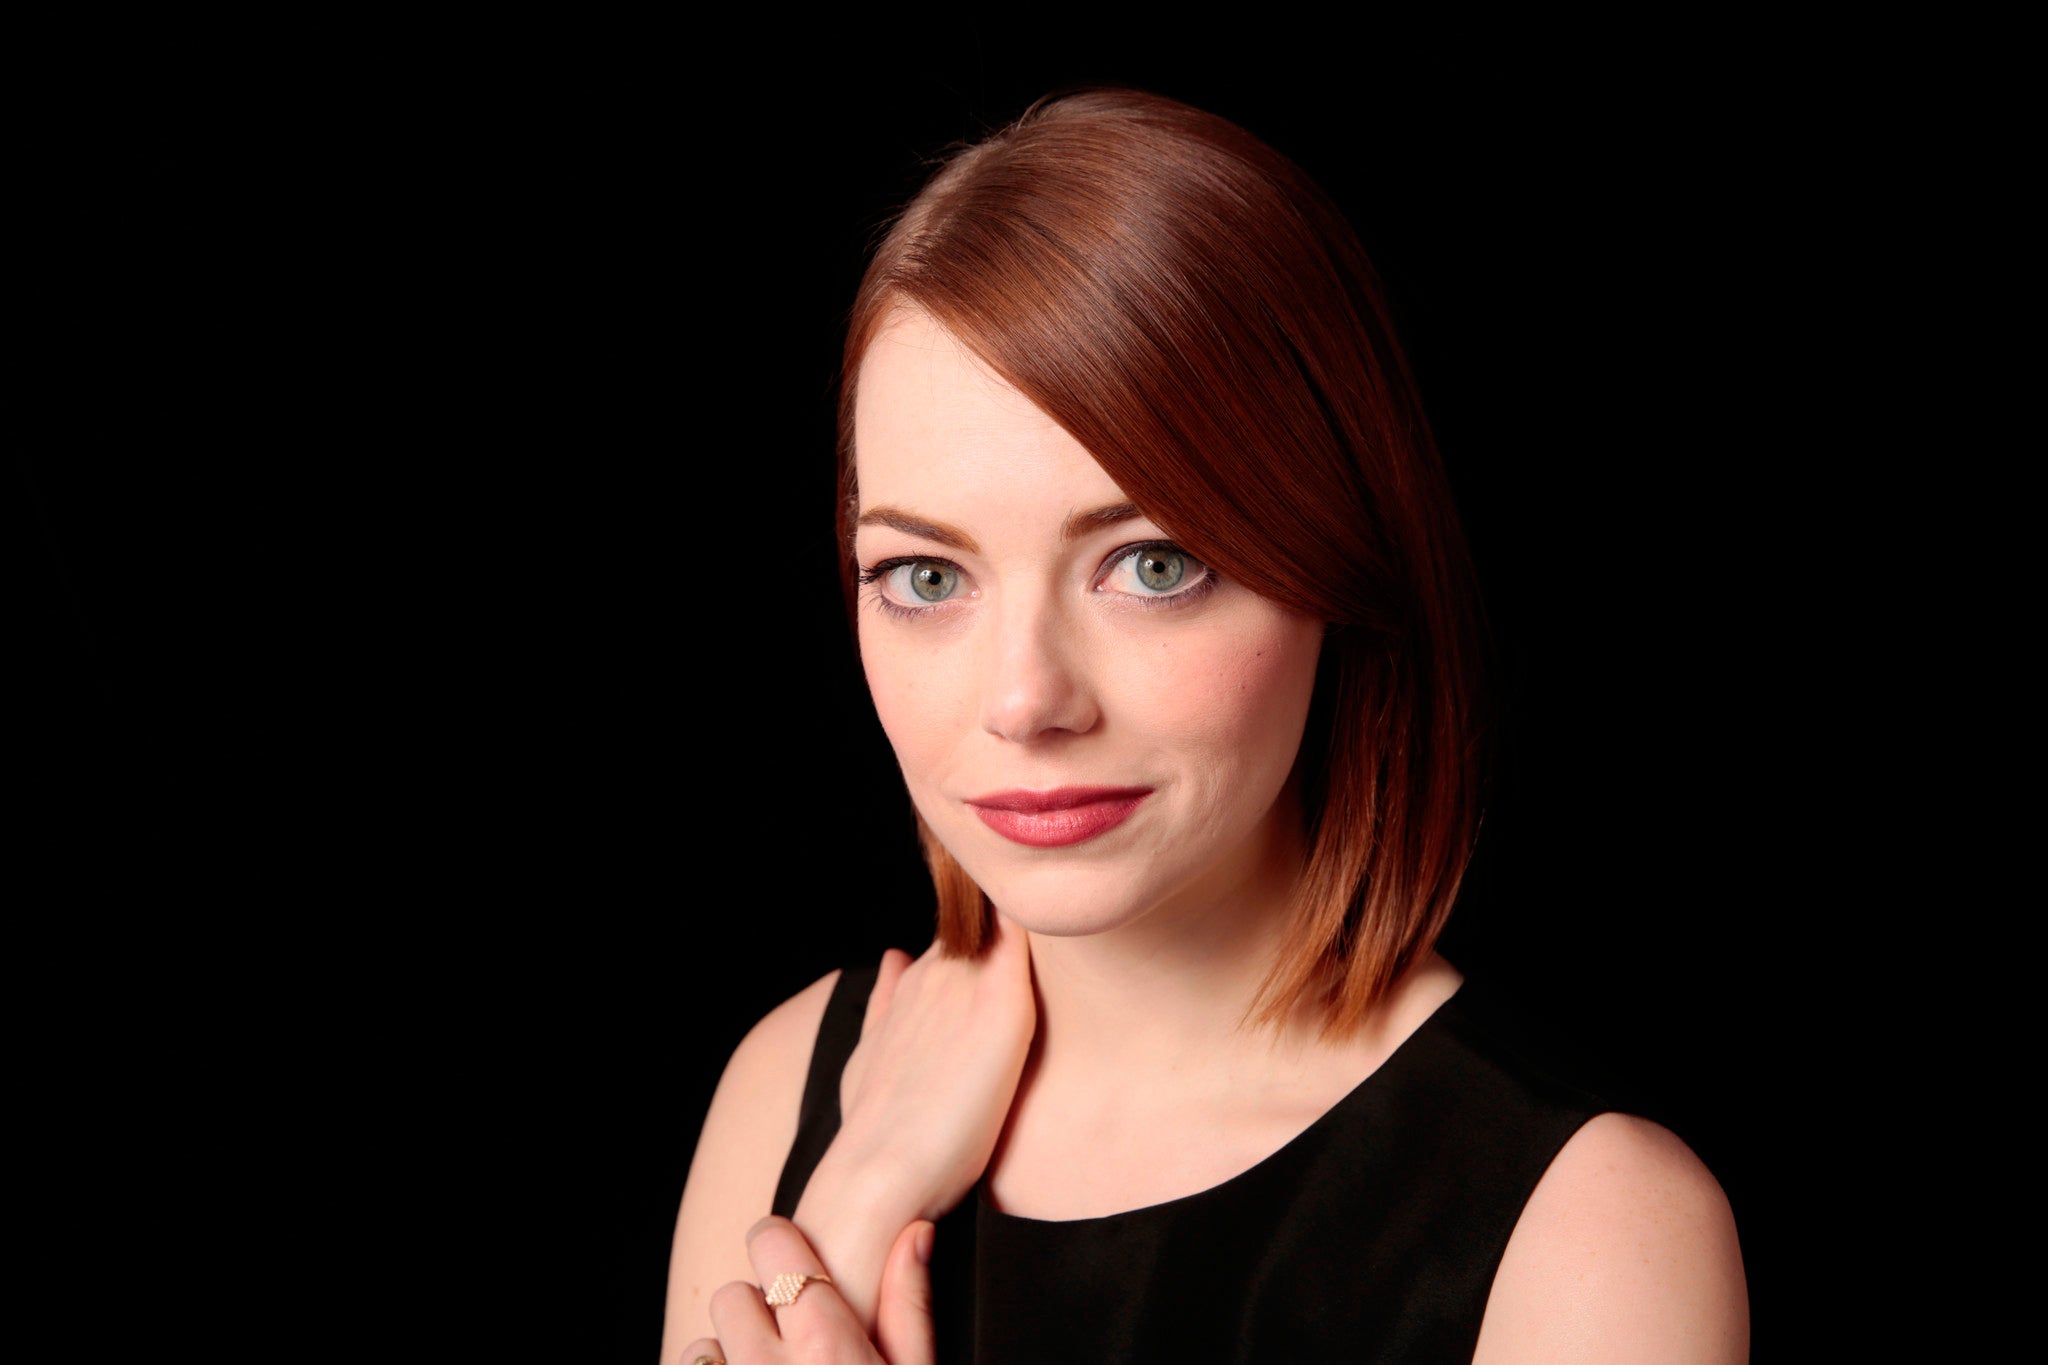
1069	919
1072	900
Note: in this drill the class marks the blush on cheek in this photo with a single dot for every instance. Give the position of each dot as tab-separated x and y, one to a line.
916	699
895	708
1257	690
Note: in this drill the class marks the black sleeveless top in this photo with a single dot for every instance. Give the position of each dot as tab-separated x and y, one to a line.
1371	1236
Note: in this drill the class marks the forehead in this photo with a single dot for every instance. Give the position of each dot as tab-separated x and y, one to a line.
931	419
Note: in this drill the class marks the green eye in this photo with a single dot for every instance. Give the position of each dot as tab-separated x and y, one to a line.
1160	569
930	581
1157	574
910	585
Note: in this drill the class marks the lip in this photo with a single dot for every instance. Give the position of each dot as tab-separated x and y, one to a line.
1059	817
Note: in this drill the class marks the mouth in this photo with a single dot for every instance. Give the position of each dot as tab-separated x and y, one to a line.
1060	817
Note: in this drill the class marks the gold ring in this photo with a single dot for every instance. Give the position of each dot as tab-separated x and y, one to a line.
783	1292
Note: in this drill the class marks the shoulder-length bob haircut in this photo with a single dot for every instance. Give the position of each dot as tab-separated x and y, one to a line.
1194	311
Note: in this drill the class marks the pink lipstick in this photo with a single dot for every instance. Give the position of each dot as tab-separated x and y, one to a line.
1057	818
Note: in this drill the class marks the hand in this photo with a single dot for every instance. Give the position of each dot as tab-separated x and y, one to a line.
926	1093
820	1328
922	1102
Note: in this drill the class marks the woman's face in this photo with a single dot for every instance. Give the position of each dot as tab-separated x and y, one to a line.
1093	723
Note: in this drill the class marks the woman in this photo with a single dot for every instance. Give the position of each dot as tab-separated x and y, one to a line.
1167	615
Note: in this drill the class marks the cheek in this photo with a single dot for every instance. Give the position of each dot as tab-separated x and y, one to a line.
1240	701
915	698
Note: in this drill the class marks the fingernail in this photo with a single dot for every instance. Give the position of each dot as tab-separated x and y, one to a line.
922	1244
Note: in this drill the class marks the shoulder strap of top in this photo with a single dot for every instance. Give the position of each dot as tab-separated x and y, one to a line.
818	1120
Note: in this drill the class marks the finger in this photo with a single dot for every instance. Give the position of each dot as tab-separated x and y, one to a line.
703	1351
1009	959
778	1249
743	1322
903	1319
886	976
1012	943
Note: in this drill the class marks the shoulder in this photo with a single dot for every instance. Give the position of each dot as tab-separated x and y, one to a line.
753	1115
768	1067
1626	1251
746	1137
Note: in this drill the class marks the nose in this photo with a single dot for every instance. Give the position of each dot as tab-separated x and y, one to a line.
1036	684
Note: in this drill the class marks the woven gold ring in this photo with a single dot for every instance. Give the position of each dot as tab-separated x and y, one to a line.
782	1293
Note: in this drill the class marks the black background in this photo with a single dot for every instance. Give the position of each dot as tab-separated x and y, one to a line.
431	594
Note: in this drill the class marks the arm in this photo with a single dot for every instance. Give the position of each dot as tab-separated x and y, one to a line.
747	1135
1625	1252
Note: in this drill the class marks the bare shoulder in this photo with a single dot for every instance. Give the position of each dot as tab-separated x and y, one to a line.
747	1135
1625	1252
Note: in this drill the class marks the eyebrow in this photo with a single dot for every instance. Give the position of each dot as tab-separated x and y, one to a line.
1084	523
1078	525
898	520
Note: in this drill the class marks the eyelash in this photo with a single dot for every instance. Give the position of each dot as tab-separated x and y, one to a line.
875	573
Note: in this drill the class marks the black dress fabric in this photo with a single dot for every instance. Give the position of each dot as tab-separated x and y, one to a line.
1372	1236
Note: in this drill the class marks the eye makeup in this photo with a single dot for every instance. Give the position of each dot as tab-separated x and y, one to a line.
1171	558
899	585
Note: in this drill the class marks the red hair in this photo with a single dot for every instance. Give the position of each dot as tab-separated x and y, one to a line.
1194	311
